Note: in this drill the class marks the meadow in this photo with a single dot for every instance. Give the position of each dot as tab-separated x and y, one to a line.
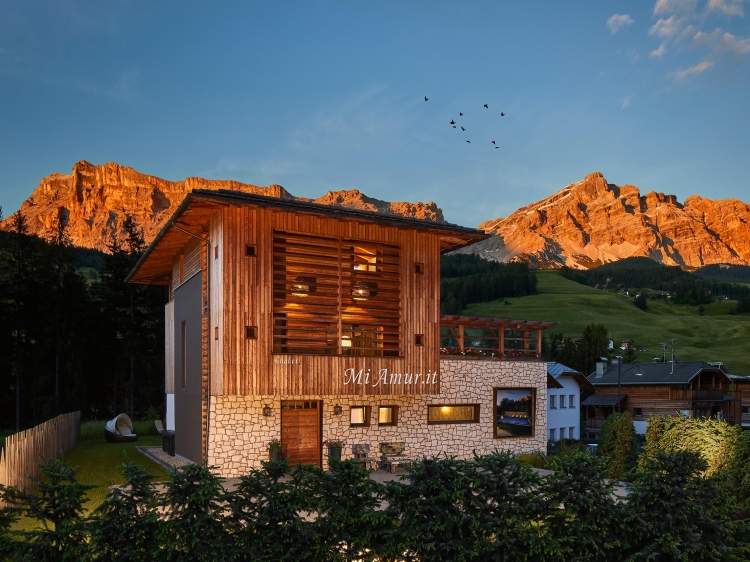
714	335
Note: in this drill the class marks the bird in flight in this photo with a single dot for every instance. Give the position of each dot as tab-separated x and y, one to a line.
497	147
469	142
454	126
487	106
463	129
460	114
493	142
502	114
425	98
453	122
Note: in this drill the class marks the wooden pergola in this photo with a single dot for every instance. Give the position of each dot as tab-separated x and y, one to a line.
496	337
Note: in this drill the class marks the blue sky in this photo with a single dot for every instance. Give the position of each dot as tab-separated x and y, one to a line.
323	96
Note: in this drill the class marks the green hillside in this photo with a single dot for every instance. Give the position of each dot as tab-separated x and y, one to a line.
714	336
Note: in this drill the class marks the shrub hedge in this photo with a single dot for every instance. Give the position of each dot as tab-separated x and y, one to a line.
492	508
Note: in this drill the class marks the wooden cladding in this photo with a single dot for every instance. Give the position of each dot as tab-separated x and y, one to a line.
187	264
335	296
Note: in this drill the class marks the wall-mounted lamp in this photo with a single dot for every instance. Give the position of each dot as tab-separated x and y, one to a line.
364	290
267	410
303	286
338	410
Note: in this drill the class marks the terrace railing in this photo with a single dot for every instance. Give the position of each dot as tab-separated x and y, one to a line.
697	395
491	338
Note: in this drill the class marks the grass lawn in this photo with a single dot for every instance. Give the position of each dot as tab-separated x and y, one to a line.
96	462
714	336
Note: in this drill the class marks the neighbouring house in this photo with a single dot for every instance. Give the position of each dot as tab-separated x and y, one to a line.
692	388
741	389
564	392
304	322
627	344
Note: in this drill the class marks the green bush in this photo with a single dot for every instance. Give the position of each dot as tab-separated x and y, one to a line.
617	444
532	460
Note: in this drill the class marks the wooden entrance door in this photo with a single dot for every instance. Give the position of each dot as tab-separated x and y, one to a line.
300	431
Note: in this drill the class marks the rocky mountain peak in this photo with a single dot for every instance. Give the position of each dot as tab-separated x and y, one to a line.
95	199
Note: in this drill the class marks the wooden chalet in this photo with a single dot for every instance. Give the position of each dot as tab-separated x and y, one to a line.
741	389
692	388
303	322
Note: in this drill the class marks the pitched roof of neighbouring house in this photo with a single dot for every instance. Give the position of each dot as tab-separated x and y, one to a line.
656	373
556	370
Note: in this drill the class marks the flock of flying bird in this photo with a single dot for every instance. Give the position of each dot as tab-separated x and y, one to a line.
453	122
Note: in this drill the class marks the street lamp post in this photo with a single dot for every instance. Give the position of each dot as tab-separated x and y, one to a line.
638	373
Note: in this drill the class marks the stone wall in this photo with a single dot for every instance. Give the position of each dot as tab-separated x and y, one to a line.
239	432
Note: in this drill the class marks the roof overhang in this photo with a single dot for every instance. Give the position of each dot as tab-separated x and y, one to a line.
189	220
552	382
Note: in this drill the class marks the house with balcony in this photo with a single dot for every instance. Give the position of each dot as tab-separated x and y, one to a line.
691	388
303	322
741	389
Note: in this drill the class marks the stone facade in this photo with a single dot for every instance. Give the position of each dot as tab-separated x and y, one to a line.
239	432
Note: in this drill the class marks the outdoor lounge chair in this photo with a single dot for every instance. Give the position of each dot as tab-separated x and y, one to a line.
120	430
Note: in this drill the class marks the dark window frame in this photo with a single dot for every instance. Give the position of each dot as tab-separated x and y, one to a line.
532	417
367	416
475	420
395	416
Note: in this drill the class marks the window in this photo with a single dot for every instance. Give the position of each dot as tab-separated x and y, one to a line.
418	339
453	413
553	402
553	435
684	413
183	353
359	416
514	412
572	401
562	402
746	409
387	415
639	411
571	433
419	268
335	297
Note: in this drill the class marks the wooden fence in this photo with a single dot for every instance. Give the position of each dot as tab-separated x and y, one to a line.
26	449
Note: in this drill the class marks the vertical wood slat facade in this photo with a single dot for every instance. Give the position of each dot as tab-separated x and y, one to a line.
250	367
169	348
216	303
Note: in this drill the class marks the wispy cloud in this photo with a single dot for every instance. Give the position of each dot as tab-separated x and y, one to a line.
699	68
625	103
659	53
674	6
726	7
617	21
124	89
668	27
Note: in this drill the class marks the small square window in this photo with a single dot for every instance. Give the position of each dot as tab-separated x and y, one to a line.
572	401
553	402
251	332
216	333
250	251
359	416
639	411
387	415
216	252
418	339
746	409
418	268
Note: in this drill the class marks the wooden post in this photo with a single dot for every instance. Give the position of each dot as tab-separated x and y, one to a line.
539	342
460	337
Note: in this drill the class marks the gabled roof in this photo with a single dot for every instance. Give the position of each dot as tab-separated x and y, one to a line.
154	266
556	370
655	373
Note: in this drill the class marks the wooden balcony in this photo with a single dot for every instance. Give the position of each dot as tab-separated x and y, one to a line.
470	337
595	425
697	395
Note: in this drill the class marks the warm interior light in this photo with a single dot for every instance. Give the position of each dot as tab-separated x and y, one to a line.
346	341
362	290
445	409
303	286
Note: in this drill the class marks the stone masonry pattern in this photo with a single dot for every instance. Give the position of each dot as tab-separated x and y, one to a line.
239	432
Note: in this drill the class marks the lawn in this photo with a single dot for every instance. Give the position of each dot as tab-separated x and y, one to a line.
96	462
713	336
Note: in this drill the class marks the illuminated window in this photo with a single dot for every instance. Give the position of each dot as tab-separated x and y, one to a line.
453	413
364	259
387	415
359	415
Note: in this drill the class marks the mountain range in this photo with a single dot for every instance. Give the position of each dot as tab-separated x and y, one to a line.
583	225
